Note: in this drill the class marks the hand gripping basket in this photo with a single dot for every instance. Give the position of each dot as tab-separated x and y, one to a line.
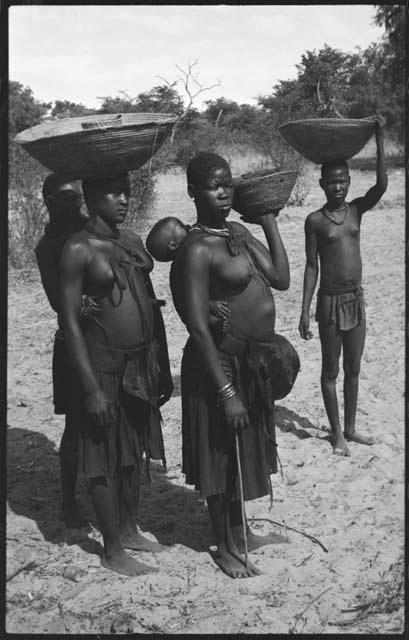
328	139
261	192
97	145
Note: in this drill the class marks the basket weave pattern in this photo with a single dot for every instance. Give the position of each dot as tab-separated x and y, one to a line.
328	139
97	145
258	194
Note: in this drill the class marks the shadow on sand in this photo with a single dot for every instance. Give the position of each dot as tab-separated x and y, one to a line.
289	421
172	513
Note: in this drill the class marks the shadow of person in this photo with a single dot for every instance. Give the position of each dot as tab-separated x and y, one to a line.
34	490
174	514
289	421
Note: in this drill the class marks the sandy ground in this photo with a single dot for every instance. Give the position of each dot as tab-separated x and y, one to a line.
353	506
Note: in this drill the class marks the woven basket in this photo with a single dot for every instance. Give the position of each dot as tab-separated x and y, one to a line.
97	145
256	194
328	139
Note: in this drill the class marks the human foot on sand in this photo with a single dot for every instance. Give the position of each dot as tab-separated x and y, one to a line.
121	562
137	542
360	439
234	565
72	517
339	445
255	541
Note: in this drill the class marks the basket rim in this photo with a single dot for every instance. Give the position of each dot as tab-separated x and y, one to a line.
28	136
241	181
369	121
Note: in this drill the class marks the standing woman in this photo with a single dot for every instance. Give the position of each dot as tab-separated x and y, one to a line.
227	379
121	363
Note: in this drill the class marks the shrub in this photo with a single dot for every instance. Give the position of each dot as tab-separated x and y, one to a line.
27	213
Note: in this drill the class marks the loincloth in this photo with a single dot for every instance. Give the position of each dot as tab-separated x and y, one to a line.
129	379
345	310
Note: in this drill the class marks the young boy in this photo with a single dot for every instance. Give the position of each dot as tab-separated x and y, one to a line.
163	243
332	233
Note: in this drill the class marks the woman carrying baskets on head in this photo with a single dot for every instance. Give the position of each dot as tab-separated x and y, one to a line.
227	379
121	362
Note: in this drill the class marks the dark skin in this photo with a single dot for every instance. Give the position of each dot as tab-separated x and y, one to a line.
204	269
64	205
338	250
86	268
170	238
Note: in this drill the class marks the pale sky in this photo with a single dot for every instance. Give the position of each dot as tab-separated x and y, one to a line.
80	52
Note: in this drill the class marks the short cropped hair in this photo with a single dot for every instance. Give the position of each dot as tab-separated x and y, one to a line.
92	186
155	240
200	166
333	164
53	182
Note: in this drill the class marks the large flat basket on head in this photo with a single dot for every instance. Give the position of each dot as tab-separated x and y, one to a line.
328	139
262	192
97	145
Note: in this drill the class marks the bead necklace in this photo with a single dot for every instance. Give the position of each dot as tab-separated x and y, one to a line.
331	218
215	232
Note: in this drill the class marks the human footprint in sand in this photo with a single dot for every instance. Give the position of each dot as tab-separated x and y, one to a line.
121	363
332	234
225	377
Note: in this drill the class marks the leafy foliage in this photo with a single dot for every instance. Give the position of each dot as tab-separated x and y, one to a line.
24	110
329	82
67	109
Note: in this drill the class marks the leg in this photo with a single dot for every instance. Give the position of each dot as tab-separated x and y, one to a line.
68	469
331	342
353	345
128	498
227	555
104	494
254	541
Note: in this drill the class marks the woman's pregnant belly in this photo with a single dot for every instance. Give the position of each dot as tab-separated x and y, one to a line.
124	326
253	311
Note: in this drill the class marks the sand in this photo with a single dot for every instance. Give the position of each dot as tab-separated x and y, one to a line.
353	506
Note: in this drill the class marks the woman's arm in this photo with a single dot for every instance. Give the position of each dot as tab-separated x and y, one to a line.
72	269
194	280
273	261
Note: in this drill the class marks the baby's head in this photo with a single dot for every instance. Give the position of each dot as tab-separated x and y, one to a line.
165	238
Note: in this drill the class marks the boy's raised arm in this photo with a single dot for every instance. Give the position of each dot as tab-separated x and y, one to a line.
375	193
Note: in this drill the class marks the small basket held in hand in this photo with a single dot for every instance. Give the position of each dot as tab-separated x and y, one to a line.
262	192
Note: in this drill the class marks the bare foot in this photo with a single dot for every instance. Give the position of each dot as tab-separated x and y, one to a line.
233	566
360	439
121	562
138	542
255	541
72	517
339	445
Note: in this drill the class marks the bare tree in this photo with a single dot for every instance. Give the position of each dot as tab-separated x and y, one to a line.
191	86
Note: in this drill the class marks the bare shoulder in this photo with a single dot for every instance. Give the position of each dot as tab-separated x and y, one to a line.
313	220
77	247
240	229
